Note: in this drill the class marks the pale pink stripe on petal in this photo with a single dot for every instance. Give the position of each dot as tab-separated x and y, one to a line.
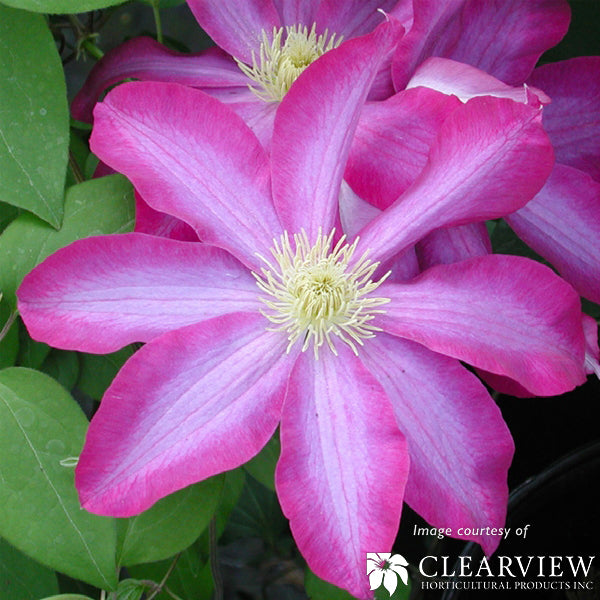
102	293
475	172
505	314
466	82
145	59
192	157
190	404
343	466
460	448
562	224
314	126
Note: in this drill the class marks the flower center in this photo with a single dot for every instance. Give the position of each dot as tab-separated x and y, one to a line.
315	293
281	62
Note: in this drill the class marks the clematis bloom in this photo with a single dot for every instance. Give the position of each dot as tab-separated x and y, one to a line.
352	366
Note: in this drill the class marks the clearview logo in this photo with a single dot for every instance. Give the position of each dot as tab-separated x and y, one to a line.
498	573
507	573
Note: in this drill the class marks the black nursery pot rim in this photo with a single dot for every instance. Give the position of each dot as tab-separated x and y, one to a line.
566	466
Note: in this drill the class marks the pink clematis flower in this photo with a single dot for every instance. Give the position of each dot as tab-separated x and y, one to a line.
276	319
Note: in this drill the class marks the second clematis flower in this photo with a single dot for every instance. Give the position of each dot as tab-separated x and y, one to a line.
276	318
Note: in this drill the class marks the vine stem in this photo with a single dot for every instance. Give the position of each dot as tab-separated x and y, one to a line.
8	324
161	585
157	21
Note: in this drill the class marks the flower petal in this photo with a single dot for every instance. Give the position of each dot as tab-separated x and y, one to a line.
352	18
375	579
460	448
145	59
342	469
154	222
392	142
505	39
314	126
504	314
474	173
192	157
572	120
452	244
190	404
562	224
236	25
99	294
390	581
297	12
466	82
256	113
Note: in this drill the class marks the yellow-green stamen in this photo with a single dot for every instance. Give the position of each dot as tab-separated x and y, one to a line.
314	292
281	61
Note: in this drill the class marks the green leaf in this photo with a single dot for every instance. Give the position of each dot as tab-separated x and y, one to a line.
7	214
191	579
61	6
262	466
34	120
317	589
98	370
31	353
130	589
62	366
100	206
68	597
9	342
171	525
40	514
22	578
257	514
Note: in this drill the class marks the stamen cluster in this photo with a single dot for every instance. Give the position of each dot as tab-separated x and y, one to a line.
316	292
281	61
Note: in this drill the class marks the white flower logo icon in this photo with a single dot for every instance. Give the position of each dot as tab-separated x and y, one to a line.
384	567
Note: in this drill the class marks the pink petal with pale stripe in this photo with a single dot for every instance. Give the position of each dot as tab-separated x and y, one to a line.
340	478
192	157
312	137
474	173
505	314
190	404
145	59
99	294
460	448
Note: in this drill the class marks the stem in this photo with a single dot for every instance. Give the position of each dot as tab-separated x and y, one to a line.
214	559
79	178
157	21
8	324
172	594
92	49
161	585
